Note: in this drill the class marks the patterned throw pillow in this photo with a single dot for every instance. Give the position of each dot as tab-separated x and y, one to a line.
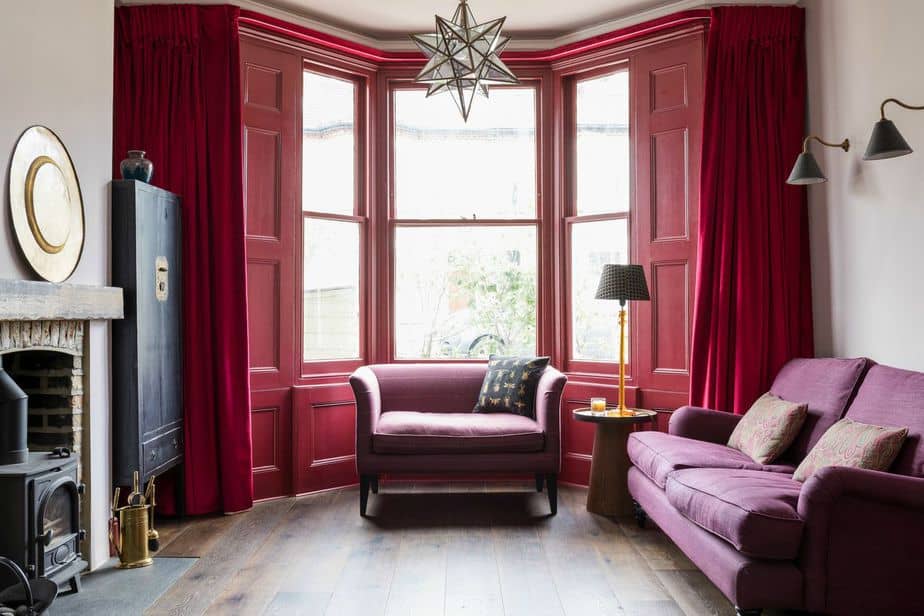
510	385
851	443
768	428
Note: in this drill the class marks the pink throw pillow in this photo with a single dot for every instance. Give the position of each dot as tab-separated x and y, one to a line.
851	443
768	428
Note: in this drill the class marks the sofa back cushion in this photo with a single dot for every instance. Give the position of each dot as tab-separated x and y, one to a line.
892	397
826	385
437	388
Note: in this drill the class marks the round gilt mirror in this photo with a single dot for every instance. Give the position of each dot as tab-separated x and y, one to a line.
46	204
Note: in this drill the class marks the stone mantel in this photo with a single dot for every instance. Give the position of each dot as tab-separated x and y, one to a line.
28	300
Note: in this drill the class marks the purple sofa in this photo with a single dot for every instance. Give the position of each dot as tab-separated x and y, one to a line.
847	541
418	419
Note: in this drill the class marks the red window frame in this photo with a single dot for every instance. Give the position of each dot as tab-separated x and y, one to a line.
569	79
363	200
403	79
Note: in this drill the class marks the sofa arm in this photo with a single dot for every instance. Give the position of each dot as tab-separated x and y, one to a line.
862	542
832	483
548	406
703	424
368	407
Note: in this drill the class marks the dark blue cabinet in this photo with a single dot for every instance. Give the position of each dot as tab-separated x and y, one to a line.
147	385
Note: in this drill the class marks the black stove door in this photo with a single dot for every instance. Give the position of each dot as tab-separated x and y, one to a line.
57	525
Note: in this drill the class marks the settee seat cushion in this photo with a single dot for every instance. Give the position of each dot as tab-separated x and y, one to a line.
413	432
755	511
657	455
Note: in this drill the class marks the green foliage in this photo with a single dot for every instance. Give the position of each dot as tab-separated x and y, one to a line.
501	298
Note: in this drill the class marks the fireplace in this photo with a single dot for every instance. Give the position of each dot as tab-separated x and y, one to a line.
44	506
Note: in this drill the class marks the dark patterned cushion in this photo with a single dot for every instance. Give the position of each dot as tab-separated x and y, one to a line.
510	385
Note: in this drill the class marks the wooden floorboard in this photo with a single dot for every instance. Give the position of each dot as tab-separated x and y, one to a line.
429	548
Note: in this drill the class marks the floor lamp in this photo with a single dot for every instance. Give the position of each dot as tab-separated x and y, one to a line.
622	282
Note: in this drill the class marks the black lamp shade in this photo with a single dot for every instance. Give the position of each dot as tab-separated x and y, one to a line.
806	171
886	142
622	282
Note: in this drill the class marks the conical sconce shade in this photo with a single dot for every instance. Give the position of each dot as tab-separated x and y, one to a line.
806	171
886	142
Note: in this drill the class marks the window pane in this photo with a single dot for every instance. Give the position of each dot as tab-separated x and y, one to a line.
328	144
447	168
464	291
594	322
602	144
331	289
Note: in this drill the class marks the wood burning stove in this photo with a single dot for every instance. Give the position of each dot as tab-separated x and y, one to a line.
39	501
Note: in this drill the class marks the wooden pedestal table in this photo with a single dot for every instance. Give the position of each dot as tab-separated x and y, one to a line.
609	468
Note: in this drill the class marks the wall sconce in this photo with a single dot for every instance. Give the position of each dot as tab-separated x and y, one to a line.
806	169
886	141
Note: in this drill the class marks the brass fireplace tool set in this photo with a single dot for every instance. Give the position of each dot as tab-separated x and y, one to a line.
131	529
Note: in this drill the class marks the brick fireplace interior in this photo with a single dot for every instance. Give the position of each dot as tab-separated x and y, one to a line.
54	382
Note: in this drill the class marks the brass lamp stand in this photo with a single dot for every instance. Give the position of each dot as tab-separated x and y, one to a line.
623	283
622	357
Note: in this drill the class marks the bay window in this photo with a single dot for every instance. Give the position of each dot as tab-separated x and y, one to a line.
381	227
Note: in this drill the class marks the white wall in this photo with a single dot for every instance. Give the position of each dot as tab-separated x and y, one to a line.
57	71
867	222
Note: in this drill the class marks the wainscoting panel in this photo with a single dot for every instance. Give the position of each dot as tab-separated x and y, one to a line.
271	421
263	288
262	182
325	455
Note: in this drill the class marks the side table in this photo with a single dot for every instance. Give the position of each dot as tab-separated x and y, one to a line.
609	493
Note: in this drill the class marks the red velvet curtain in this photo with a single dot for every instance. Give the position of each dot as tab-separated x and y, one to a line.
753	288
177	96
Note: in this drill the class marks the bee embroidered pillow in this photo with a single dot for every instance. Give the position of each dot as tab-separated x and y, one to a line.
510	385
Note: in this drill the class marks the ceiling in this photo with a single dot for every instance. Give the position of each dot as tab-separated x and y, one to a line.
533	24
541	19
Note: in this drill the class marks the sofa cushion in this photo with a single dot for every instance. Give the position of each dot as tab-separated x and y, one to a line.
414	432
768	428
657	455
895	398
825	385
853	444
510	385
755	511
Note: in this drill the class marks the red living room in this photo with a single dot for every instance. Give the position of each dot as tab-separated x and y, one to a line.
461	307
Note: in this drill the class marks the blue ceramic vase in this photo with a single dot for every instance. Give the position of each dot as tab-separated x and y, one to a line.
137	167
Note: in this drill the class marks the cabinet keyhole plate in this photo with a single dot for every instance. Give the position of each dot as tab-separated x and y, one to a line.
161	288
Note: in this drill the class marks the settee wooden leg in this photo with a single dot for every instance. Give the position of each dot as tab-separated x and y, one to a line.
640	516
754	611
374	483
364	483
540	481
551	481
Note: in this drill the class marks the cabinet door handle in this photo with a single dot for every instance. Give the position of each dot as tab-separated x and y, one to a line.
154	454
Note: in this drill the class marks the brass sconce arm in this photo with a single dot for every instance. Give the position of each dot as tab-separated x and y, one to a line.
844	145
899	103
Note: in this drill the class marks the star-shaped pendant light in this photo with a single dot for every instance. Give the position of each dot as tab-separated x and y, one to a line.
463	57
